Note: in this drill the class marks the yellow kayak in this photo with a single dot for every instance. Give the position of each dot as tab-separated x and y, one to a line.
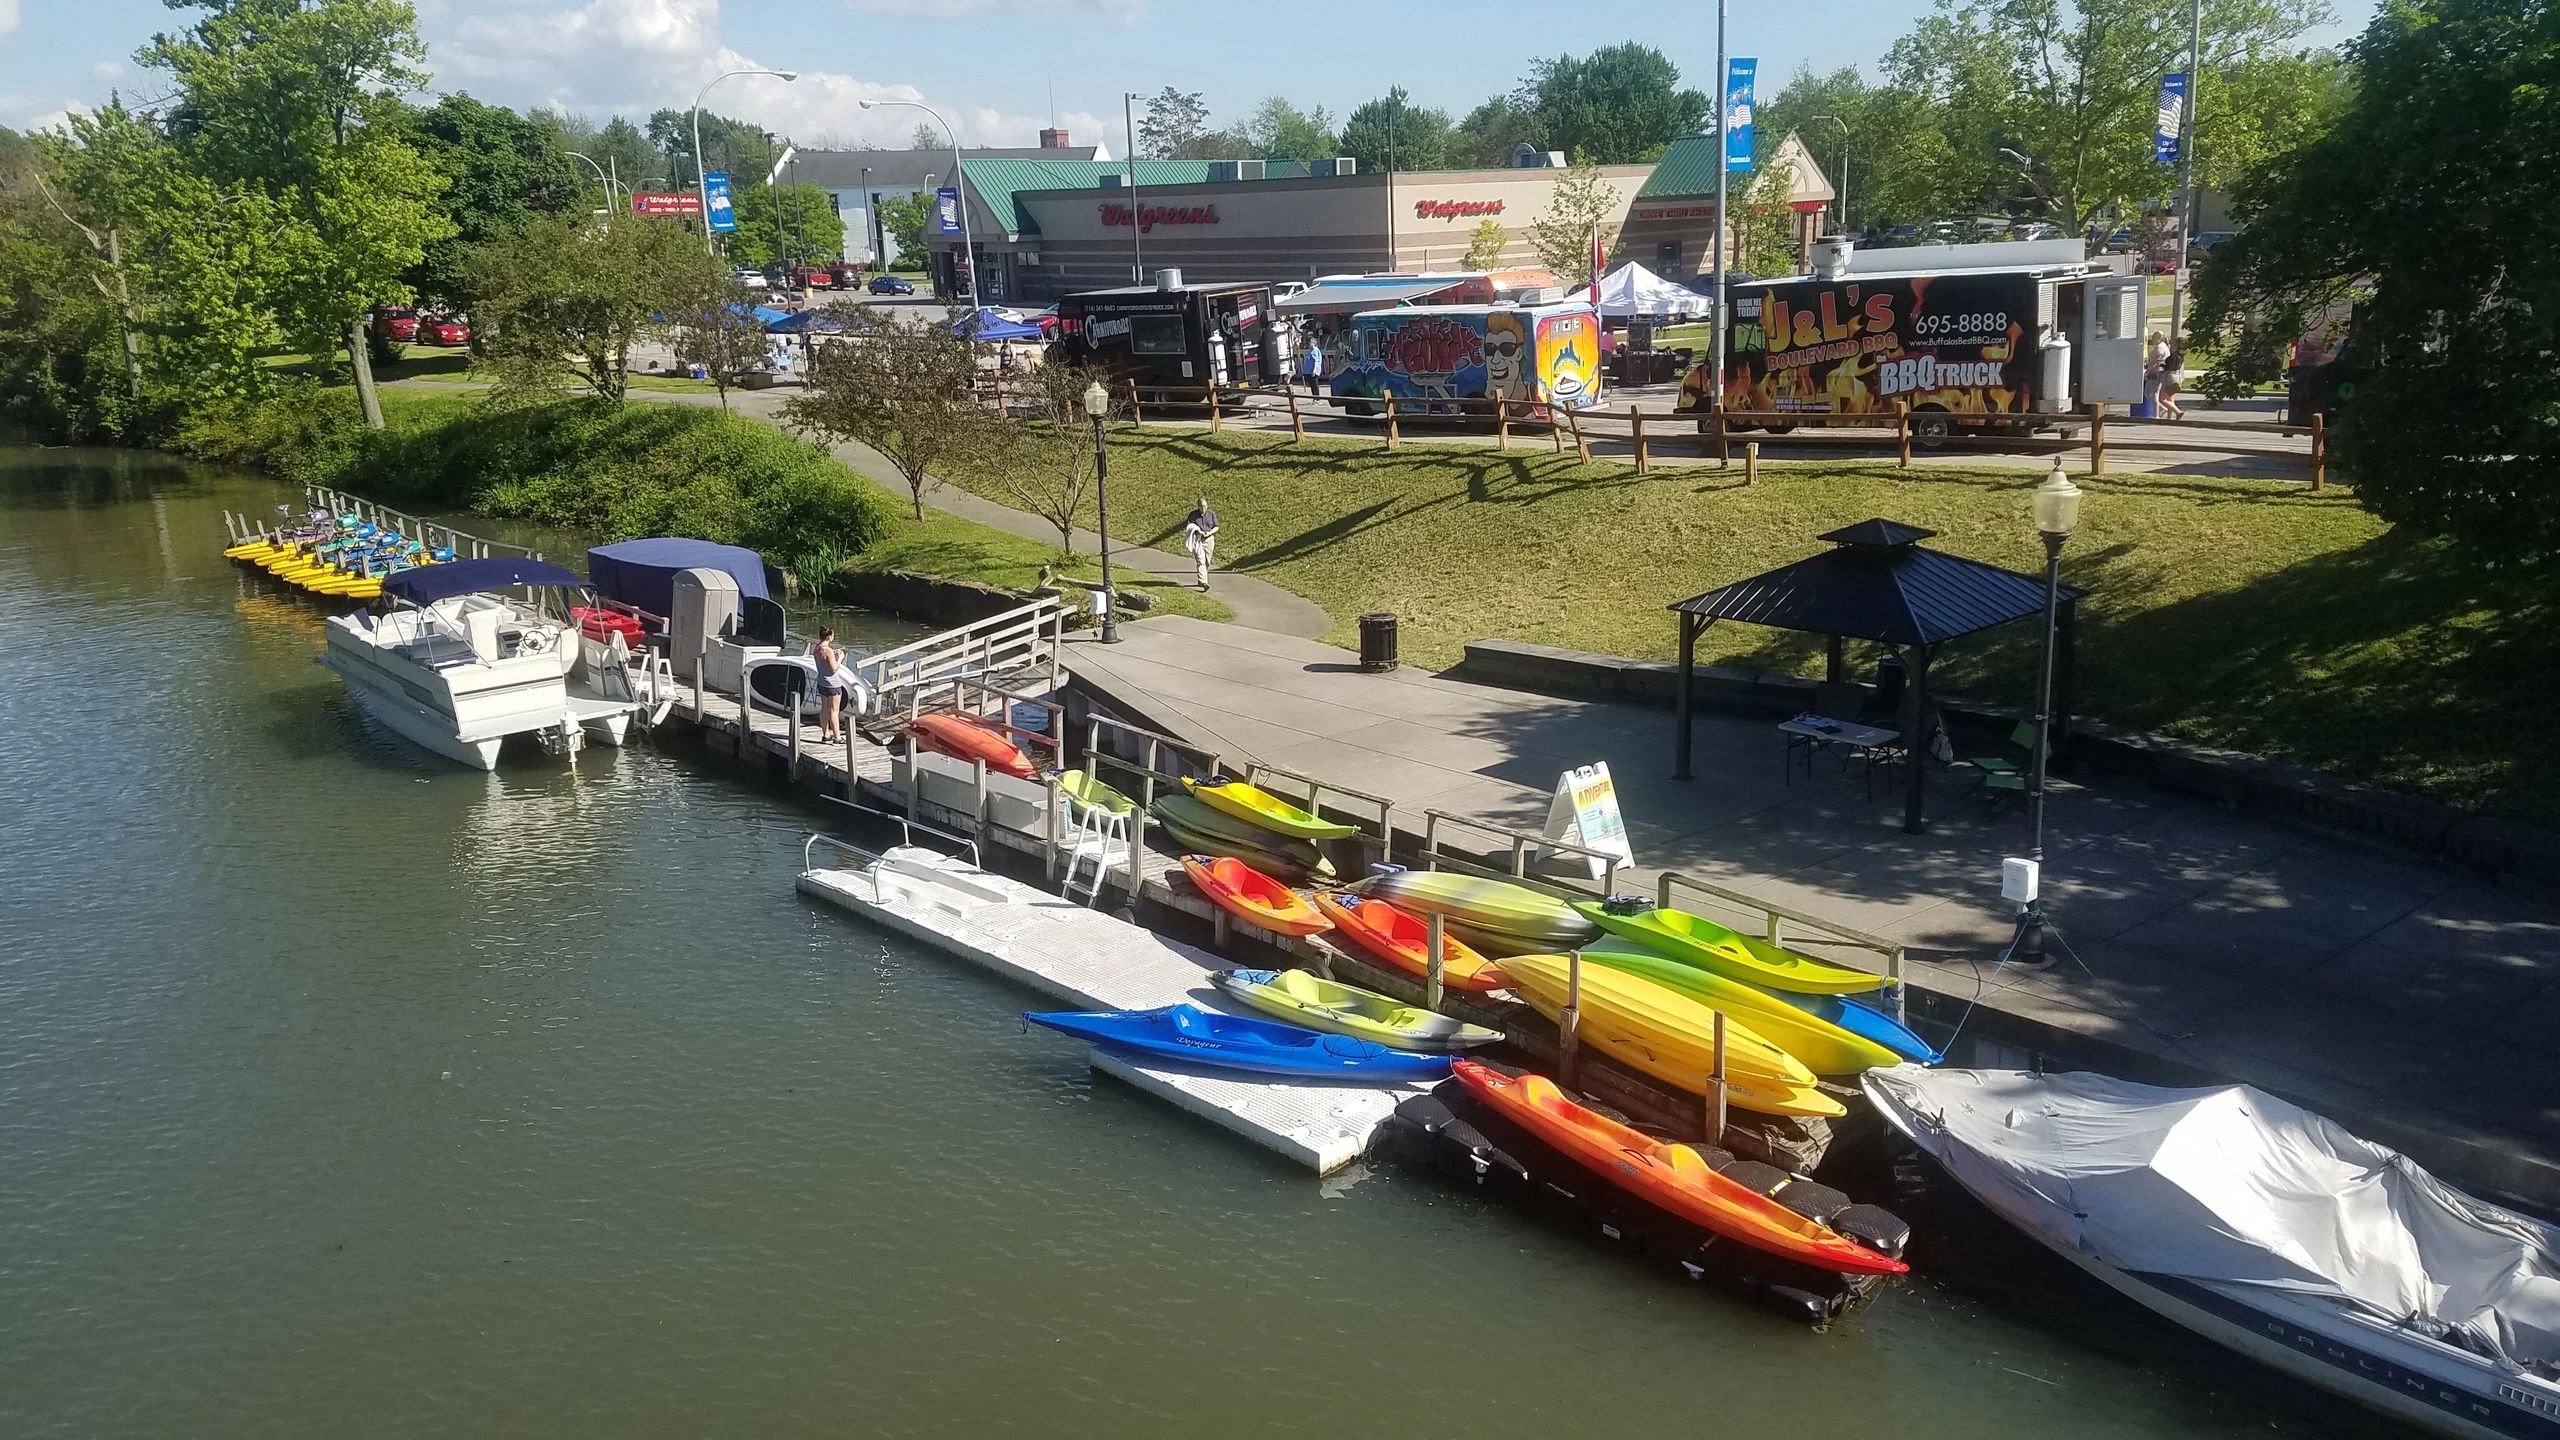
1671	1037
1321	1004
1257	806
252	550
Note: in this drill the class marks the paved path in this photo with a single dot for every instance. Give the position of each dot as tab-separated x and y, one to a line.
1256	604
2405	998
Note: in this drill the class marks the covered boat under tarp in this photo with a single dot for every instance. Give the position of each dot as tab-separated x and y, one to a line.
2230	1205
642	573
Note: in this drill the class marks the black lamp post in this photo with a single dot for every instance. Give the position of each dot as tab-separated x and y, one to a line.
1097	404
2057	506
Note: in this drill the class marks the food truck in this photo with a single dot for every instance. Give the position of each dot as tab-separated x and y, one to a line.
1431	356
1963	334
1173	338
1319	314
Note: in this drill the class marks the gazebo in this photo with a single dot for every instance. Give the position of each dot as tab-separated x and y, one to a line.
1878	583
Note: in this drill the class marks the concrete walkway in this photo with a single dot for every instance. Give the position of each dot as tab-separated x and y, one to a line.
2409	1001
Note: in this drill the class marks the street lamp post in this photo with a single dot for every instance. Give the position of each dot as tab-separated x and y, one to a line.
609	196
959	185
1843	196
1097	405
1129	132
701	172
2057	507
1724	225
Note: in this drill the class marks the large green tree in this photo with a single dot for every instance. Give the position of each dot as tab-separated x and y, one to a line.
903	219
623	152
807	228
1279	130
500	169
563	300
1900	165
1175	122
300	101
1494	129
730	146
2432	206
1621	105
1581	206
1391	132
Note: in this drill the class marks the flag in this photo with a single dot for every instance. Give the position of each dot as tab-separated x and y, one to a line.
1599	257
2171	131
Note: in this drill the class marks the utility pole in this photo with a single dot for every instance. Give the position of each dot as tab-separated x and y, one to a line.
2187	113
1724	138
1137	246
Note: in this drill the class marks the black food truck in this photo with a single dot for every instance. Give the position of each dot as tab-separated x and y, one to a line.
1172	338
1963	334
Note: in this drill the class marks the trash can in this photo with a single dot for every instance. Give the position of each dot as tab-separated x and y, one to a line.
1378	641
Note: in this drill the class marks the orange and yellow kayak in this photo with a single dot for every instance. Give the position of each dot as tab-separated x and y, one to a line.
1673	1177
1386	933
963	738
1246	892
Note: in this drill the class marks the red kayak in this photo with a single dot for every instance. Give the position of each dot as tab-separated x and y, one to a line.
1673	1177
1404	941
1244	891
964	738
599	623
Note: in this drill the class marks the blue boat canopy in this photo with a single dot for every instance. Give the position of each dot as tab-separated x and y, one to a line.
985	324
426	584
642	573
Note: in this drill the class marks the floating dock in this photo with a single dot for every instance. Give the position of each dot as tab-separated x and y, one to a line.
1092	961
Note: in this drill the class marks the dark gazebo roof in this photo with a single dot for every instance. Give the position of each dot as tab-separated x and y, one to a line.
1877	583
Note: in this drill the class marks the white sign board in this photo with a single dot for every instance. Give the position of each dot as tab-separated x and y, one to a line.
1585	812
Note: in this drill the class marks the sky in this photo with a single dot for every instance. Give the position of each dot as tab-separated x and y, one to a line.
999	69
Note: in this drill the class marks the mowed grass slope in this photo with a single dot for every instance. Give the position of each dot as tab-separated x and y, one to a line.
2239	613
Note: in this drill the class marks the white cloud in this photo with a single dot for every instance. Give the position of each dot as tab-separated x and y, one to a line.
635	56
1110	9
104	69
8	16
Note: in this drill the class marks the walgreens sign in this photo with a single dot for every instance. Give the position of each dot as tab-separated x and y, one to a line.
1454	209
665	202
1148	217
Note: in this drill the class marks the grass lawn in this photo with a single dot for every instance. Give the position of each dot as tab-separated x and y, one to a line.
947	545
2246	614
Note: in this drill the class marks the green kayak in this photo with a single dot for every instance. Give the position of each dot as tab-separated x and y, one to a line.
1704	943
1501	909
1204	831
1084	789
1825	1048
1257	806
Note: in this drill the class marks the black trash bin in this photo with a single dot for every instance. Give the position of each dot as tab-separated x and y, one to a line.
1378	641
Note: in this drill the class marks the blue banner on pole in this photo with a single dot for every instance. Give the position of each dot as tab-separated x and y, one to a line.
1740	71
2172	129
946	210
716	209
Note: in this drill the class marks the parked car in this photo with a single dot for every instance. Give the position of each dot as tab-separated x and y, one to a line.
892	285
1047	320
447	330
748	275
396	323
1279	292
816	277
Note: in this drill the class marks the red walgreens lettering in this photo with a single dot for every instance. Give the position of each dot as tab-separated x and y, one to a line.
1454	209
1149	217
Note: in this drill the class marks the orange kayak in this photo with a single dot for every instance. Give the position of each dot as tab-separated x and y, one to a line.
963	738
1404	941
1672	1177
1247	892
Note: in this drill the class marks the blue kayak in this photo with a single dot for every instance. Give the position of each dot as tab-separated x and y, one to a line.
1867	1023
1232	1042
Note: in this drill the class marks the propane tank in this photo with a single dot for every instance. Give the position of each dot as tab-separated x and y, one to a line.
2054	379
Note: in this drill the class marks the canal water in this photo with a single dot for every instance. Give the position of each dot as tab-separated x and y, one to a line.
344	1092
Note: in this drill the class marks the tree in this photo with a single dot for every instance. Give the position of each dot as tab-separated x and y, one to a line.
810	227
1390	133
1622	105
721	334
500	169
2420	209
1582	203
301	100
562	301
1485	245
622	152
926	137
1764	229
1278	130
1174	124
1493	130
903	219
1051	472
729	145
903	390
1900	166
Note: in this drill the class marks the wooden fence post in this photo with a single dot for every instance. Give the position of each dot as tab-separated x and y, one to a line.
1135	418
1751	462
1724	439
1902	430
1391	420
2097	439
1635	418
1555	431
1213	404
999	389
1581	446
1501	423
2319	452
1297	427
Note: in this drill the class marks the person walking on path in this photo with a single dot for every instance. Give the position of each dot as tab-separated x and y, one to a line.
1200	537
2173	365
1311	364
2154	364
831	685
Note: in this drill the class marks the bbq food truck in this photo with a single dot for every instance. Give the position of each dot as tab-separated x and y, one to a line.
1432	356
1173	339
1971	337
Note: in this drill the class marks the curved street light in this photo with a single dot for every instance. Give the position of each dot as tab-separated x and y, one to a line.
701	179
606	180
959	186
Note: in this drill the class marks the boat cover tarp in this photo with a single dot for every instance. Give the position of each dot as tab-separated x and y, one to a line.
642	573
2235	1187
1632	290
426	584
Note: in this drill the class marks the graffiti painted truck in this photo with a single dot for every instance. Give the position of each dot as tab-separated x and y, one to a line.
1963	334
1431	357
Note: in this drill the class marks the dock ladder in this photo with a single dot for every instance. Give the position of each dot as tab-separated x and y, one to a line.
1100	834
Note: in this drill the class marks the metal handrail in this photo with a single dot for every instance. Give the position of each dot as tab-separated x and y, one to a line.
1521	843
1774	916
1023	623
1151	769
1257	771
907	828
461	542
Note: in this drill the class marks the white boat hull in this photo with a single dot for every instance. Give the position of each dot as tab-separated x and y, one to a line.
426	676
416	724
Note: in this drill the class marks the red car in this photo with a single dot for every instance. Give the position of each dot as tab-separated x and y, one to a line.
396	322
445	330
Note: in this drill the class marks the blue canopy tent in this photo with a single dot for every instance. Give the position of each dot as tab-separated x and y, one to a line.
427	584
985	324
807	322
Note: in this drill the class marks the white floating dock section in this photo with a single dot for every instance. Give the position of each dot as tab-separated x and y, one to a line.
1093	962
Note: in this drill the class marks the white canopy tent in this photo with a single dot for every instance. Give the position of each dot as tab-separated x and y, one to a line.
1632	290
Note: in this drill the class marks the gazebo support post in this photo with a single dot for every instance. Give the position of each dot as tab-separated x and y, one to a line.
1915	745
1689	628
1831	659
2065	664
